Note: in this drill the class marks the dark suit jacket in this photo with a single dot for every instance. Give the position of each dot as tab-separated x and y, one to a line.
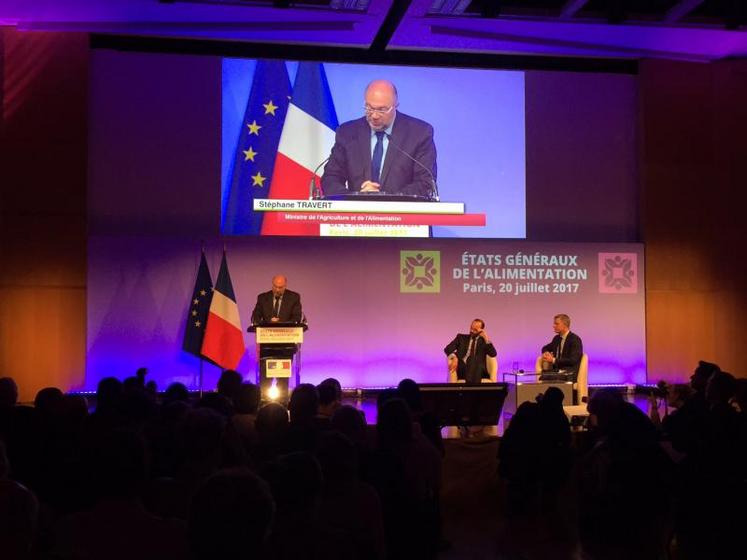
475	369
573	349
351	158
290	307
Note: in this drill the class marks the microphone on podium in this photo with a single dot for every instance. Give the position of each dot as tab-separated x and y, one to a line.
434	186
314	191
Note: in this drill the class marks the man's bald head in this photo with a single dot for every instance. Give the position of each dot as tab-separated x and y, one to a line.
278	284
381	104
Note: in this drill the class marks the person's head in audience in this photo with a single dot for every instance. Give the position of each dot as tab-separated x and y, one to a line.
561	324
140	375
304	404
699	378
385	396
217	402
132	385
740	395
8	392
394	424
330	396
720	389
203	433
678	394
295	481
72	410
176	392
230	517
151	388
409	391
351	422
551	399
246	400
47	399
604	407
229	382
338	458
272	423
108	394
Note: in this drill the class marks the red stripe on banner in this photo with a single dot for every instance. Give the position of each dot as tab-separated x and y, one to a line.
289	181
223	343
359	218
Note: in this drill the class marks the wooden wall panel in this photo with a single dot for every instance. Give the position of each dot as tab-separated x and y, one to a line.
693	119
43	150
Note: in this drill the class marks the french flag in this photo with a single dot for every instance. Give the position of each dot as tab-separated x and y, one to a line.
307	139
224	339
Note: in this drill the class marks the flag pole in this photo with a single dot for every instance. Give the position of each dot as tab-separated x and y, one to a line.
200	378
199	375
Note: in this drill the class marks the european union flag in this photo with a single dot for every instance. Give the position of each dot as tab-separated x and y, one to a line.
257	147
194	331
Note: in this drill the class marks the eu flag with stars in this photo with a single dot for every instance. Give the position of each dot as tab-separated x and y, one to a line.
257	147
199	306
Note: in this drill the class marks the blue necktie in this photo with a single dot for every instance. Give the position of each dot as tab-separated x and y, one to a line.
377	155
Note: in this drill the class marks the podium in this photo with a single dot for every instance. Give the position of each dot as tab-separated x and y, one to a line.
278	355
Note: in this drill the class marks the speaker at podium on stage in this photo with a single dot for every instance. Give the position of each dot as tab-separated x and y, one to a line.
278	322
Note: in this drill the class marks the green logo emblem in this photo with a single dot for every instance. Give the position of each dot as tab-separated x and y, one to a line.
420	272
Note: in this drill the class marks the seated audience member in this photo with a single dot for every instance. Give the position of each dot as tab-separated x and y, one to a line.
407	476
303	406
535	454
626	460
47	399
740	395
231	517
246	402
176	392
348	504
564	352
669	397
299	531
8	392
470	352
684	426
229	383
272	433
330	399
427	423
217	402
19	512
118	527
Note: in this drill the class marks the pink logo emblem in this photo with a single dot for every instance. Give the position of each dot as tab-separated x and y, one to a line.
618	273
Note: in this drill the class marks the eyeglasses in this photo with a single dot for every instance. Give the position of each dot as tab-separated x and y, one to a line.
383	111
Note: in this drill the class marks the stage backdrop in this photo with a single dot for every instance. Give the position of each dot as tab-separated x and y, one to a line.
379	310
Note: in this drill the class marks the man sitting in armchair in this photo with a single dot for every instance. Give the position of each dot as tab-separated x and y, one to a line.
468	354
563	354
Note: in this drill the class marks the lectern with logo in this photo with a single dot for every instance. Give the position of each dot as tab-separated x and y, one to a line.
278	355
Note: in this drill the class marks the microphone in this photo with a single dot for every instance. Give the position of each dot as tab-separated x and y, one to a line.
434	186
314	191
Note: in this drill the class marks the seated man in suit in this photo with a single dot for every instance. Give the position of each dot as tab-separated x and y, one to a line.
278	305
469	351
383	152
564	352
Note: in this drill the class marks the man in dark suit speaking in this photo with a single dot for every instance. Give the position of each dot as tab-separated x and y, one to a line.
383	152
565	350
469	351
278	305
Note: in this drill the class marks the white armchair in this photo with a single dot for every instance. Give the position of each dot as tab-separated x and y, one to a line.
491	363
